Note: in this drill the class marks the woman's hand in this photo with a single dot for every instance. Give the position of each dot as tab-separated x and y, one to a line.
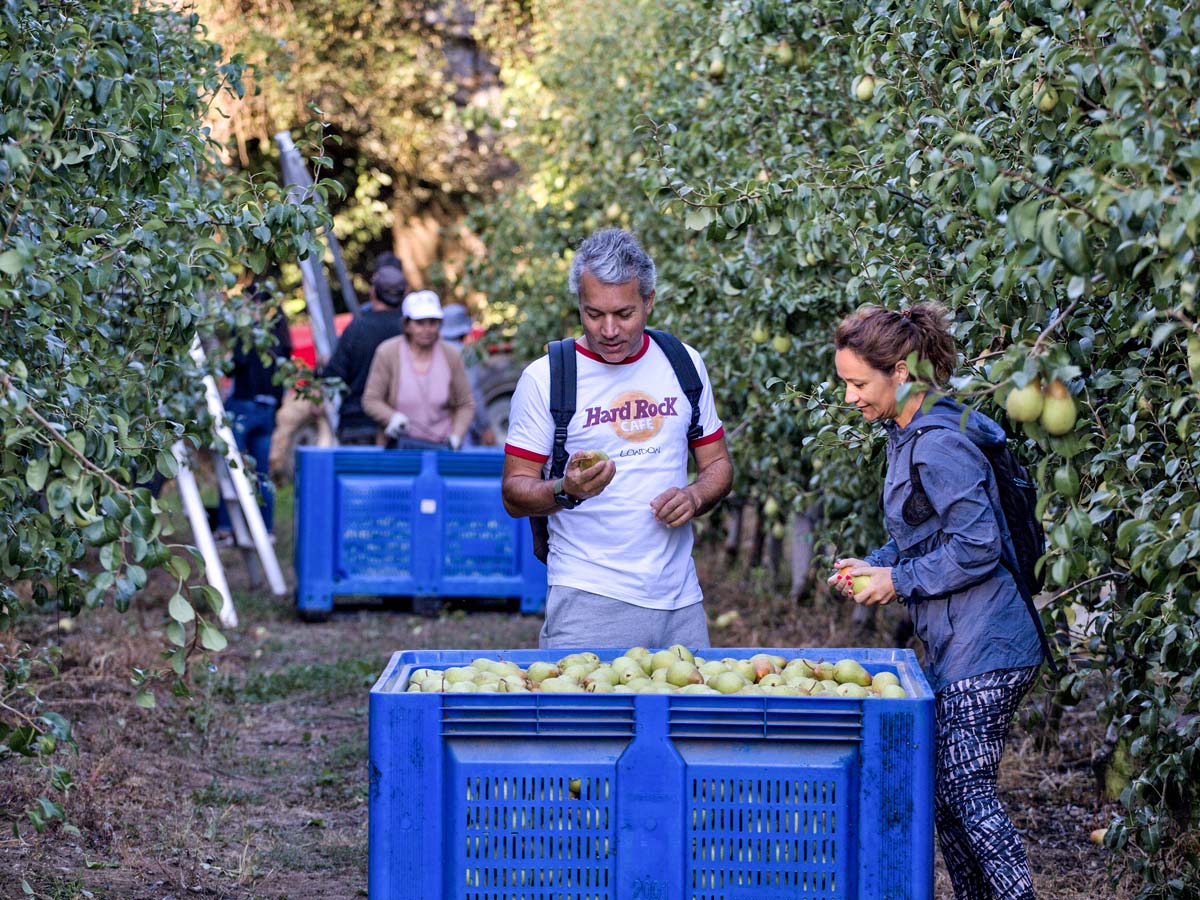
397	424
875	591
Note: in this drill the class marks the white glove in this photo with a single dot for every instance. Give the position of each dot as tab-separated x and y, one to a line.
455	442
396	424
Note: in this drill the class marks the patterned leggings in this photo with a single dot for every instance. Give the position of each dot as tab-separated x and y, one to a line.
982	850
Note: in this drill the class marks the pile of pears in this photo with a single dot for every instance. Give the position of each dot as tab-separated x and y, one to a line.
672	671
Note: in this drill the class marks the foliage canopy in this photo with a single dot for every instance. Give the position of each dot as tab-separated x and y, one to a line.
121	234
1032	165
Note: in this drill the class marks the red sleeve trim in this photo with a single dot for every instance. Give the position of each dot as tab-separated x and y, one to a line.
525	454
708	439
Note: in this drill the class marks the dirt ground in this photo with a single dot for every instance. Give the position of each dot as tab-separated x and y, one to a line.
256	785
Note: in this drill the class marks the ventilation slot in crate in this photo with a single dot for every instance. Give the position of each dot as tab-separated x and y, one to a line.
374	531
560	717
479	534
730	718
531	837
768	838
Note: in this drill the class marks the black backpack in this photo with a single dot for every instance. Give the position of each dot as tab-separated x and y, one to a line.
562	408
1018	501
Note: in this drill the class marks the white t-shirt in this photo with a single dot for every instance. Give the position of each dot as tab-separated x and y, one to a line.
637	413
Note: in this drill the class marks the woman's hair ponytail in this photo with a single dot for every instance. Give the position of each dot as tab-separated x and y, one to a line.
883	337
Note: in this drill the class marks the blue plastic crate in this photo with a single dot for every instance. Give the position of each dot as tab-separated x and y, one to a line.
679	798
373	522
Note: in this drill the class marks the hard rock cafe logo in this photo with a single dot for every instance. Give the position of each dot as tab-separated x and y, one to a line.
634	416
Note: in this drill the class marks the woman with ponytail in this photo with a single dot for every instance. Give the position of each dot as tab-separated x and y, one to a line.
949	560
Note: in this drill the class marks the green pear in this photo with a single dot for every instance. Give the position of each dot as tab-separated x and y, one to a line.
643	656
728	682
682	652
560	686
576	673
420	675
797	668
824	671
662	659
892	692
880	679
683	672
604	675
697	689
850	689
772	680
1025	404
456	674
712	668
540	671
849	671
1058	411
746	669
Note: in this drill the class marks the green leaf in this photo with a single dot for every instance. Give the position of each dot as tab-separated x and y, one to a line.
180	610
11	262
698	218
211	638
35	474
145	699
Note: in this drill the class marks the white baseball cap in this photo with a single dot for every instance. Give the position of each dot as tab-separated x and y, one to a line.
422	305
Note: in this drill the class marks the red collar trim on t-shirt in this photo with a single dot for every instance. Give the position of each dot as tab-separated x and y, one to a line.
630	359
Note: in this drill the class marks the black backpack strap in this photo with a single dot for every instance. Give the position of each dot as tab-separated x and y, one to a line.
562	400
685	374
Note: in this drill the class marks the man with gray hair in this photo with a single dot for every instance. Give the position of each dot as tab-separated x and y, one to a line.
619	516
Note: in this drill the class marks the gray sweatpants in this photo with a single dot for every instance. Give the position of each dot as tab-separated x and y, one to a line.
578	619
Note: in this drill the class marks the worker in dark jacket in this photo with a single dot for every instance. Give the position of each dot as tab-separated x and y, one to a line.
356	347
950	561
253	401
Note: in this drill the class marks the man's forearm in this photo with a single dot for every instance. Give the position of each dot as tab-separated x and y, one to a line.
711	484
528	496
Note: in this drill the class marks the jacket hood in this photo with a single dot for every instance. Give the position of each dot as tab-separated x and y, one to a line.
947	413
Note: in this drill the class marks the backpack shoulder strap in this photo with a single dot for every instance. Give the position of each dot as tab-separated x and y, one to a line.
685	373
562	399
913	475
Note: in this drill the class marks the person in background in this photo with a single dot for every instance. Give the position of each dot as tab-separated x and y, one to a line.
417	390
950	560
253	401
356	347
456	325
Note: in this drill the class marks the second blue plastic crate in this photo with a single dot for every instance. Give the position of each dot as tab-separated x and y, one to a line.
373	522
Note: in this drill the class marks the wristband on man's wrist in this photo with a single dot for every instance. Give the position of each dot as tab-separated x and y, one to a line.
561	497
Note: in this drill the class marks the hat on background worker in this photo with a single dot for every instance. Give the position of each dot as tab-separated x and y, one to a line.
422	305
456	322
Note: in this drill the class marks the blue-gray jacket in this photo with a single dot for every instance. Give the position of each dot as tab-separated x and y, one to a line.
948	570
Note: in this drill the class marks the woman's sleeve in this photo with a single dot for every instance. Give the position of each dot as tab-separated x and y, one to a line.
885	556
462	399
954	476
376	401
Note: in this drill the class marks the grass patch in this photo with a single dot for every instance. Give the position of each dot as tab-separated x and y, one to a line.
348	754
339	679
219	795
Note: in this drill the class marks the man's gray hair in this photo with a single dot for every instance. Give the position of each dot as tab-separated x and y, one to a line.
613	256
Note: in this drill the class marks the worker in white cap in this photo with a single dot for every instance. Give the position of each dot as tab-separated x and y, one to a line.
417	390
